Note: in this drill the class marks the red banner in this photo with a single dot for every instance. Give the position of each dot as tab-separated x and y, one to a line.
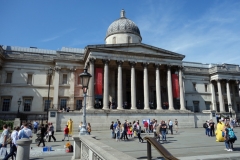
175	86
98	81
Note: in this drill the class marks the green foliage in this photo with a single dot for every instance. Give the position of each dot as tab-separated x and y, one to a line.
9	123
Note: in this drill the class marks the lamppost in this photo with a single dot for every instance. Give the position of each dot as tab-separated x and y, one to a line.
19	103
50	72
84	77
230	109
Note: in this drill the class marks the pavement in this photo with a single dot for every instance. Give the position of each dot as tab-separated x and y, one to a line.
187	144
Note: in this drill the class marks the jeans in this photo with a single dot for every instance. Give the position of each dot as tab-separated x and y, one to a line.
170	128
13	149
163	135
226	144
113	134
3	146
124	135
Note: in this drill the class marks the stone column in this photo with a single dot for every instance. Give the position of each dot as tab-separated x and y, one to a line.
76	148
182	102
228	94
71	89
158	88
56	88
169	85
91	98
145	86
234	103
220	96
133	86
120	86
105	87
23	149
213	96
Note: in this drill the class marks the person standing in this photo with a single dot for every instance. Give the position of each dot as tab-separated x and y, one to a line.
212	127
13	149
70	126
117	132
176	125
112	129
35	127
66	131
124	134
139	132
4	136
51	132
163	129
145	124
170	124
25	132
43	131
89	128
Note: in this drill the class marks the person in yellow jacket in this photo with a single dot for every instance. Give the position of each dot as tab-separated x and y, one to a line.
218	132
70	126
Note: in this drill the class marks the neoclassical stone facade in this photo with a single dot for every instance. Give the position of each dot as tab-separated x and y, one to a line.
126	75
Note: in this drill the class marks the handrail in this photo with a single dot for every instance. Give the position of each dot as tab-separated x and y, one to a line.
162	150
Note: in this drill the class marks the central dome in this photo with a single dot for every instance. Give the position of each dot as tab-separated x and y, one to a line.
122	26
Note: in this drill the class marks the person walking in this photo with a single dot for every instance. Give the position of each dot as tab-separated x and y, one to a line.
117	132
124	133
13	149
25	132
43	131
89	128
4	136
51	133
176	125
35	127
139	129
112	129
66	131
170	124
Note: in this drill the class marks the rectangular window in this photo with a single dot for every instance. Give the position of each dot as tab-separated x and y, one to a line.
194	87
63	104
29	80
6	105
208	105
196	106
27	104
47	104
206	88
238	107
64	80
78	104
9	78
49	79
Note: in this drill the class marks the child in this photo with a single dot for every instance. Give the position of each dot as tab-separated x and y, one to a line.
66	131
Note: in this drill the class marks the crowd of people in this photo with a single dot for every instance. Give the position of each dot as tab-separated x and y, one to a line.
125	130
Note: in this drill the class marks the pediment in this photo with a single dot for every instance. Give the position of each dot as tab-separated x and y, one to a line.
136	48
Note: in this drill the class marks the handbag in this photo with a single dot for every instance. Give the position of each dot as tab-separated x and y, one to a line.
49	133
3	152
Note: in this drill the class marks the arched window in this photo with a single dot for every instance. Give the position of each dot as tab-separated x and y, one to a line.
114	40
129	39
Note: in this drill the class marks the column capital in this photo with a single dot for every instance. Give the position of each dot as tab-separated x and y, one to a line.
145	64
120	62
227	80
218	80
237	82
132	64
92	59
106	61
57	68
72	69
157	65
180	67
169	66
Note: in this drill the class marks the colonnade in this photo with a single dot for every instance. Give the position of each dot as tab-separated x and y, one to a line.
220	95
91	98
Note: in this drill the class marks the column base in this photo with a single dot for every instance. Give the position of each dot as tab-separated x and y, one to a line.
106	108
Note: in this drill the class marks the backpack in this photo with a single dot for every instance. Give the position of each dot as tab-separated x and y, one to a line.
205	125
231	133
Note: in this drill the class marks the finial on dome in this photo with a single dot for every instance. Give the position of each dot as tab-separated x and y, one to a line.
122	13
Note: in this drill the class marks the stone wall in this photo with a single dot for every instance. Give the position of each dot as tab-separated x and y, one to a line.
101	119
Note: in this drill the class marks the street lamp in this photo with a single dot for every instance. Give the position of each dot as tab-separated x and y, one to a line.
50	72
19	103
84	77
230	109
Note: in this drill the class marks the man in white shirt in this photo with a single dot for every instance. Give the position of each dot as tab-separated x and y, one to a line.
170	124
13	149
25	132
4	136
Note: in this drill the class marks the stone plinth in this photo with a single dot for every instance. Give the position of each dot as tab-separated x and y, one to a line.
23	149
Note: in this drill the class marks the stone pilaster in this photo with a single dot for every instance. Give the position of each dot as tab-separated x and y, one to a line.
133	86
145	86
56	87
228	94
71	90
213	96
105	87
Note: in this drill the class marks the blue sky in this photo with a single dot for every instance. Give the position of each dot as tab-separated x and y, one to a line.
206	31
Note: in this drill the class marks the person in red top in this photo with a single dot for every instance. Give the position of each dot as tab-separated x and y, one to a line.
66	131
146	126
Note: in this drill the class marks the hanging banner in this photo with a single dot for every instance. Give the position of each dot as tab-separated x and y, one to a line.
98	81
175	86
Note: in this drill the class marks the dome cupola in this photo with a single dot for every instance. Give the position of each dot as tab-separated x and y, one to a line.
123	30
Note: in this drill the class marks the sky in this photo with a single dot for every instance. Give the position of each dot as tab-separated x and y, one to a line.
205	31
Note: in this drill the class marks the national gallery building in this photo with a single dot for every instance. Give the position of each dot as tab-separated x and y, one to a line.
127	77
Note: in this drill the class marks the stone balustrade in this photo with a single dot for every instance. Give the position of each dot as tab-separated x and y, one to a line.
88	148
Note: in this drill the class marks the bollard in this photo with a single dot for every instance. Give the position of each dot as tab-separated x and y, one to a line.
23	149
